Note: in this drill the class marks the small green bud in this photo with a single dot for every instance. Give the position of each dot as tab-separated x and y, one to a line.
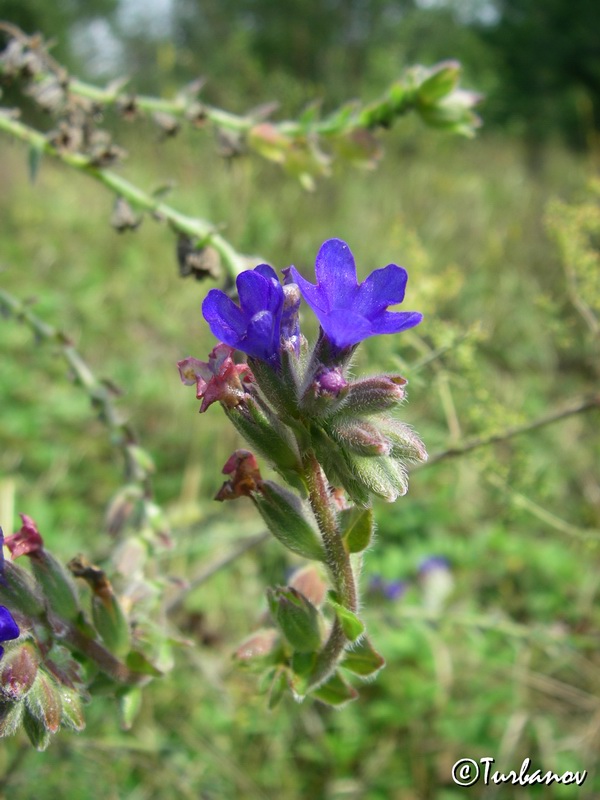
72	709
297	618
406	446
287	519
359	436
382	476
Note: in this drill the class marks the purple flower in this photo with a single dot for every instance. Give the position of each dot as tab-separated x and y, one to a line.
350	311
8	627
254	326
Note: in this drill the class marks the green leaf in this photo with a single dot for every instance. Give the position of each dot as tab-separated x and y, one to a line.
137	662
357	527
36	731
335	692
363	659
351	625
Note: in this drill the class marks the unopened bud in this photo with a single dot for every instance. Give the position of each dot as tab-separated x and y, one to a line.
406	446
57	585
257	645
360	436
381	476
373	395
309	582
297	618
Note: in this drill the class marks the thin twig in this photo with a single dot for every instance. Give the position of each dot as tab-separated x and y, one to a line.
240	549
576	407
198	229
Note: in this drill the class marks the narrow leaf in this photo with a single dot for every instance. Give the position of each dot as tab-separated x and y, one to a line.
363	659
335	692
351	625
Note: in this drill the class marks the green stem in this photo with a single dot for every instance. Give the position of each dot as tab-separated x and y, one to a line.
194	227
338	562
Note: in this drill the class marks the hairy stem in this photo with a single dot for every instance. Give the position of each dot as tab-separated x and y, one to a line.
338	562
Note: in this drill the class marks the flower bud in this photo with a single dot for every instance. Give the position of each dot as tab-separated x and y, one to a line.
72	709
297	618
287	519
406	446
309	582
325	392
382	476
18	671
373	395
259	644
360	436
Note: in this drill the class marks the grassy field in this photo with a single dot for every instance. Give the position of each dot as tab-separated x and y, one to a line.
505	664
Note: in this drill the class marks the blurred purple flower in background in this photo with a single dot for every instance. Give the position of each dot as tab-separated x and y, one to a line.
348	311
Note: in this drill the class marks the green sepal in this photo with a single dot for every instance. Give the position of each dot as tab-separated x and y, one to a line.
38	735
44	702
363	659
286	518
351	625
339	472
380	476
335	691
11	716
297	618
357	527
130	703
279	392
72	709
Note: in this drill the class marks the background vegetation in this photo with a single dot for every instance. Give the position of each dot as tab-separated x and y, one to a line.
505	663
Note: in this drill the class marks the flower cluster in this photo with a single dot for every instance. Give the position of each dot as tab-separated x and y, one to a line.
334	439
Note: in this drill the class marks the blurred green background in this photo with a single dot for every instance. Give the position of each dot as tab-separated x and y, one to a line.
500	238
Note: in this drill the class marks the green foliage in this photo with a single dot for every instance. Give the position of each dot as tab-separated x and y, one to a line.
508	663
